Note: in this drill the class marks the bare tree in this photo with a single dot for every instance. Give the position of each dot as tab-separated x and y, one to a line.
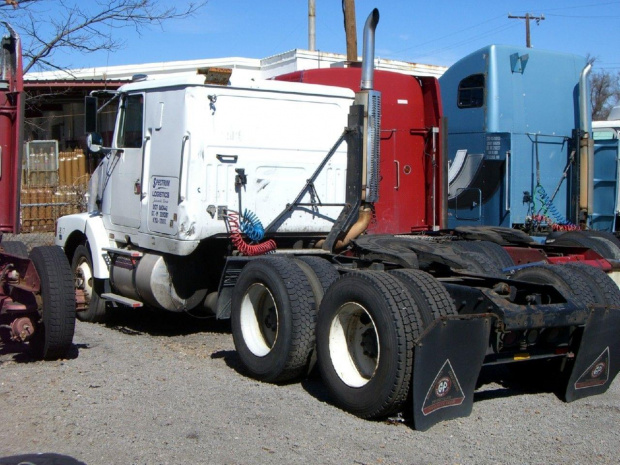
49	26
604	93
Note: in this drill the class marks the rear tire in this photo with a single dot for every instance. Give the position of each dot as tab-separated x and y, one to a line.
273	318
431	298
481	264
54	332
16	248
82	265
324	271
606	289
365	339
569	280
605	235
600	244
491	250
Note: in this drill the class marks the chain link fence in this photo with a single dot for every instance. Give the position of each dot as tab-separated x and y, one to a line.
54	184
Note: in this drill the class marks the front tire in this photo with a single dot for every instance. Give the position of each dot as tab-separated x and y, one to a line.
54	332
82	265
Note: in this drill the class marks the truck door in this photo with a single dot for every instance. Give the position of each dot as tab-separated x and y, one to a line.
126	179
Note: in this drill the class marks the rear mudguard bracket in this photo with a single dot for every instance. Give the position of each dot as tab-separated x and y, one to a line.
598	357
447	361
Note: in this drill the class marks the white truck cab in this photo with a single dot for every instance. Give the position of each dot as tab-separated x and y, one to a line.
185	151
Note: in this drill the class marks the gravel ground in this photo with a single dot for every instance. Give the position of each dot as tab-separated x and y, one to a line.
158	388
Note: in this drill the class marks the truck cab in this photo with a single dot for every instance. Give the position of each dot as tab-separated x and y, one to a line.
514	115
606	136
187	151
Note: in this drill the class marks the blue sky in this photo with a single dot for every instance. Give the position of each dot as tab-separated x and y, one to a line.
435	32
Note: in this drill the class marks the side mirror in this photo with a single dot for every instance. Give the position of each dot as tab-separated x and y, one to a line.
90	114
94	142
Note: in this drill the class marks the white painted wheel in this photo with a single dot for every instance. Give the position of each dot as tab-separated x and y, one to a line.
353	345
259	319
91	287
84	277
365	336
272	318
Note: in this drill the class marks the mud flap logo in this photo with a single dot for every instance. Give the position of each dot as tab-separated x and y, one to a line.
596	374
445	391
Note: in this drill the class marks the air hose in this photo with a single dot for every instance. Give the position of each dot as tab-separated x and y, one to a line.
548	213
251	226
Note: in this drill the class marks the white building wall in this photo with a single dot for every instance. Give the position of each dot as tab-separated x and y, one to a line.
287	62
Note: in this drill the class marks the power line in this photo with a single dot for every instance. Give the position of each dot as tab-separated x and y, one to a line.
436	39
527	18
585	16
466	41
582	6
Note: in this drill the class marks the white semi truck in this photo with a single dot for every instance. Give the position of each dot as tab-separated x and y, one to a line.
240	197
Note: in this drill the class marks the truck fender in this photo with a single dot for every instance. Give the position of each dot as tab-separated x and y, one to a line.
91	226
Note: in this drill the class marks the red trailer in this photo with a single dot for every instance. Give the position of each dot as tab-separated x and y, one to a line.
37	300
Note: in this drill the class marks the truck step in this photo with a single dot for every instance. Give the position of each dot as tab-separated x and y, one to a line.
122	300
125	252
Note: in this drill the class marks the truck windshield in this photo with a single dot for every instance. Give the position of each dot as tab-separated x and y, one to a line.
130	127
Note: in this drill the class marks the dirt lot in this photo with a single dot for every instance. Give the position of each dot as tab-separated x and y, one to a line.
156	388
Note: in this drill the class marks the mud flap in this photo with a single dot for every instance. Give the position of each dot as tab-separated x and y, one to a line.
598	358
447	361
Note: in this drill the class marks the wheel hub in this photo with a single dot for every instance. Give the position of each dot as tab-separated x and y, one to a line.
259	319
353	344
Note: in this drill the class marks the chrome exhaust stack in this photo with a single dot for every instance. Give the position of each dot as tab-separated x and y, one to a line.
586	150
370	99
368	55
363	136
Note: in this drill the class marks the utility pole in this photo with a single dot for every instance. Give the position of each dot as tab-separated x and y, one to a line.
350	29
311	25
527	18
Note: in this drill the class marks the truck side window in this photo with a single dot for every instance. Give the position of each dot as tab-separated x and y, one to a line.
471	91
130	126
604	134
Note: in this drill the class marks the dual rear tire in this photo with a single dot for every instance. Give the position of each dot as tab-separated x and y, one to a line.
273	316
364	333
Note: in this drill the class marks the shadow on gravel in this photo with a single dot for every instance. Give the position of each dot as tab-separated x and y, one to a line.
20	354
497	382
231	359
314	386
162	323
517	380
40	459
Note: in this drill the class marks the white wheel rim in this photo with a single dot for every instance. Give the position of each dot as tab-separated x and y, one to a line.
353	345
259	320
84	279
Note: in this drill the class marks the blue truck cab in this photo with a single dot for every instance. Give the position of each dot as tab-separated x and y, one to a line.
514	130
